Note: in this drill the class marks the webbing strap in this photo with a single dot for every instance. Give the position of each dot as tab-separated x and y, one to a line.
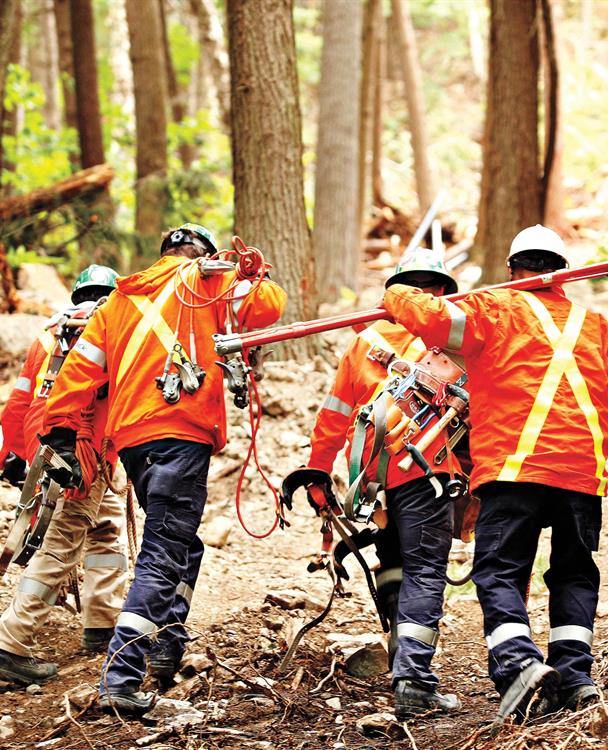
48	344
354	490
562	363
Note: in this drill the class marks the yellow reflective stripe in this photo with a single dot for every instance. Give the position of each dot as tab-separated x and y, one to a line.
415	350
47	340
371	336
562	363
152	320
579	387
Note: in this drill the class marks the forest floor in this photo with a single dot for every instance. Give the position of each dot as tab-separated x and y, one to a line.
251	597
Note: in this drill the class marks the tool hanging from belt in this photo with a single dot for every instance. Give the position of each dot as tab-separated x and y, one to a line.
420	401
322	498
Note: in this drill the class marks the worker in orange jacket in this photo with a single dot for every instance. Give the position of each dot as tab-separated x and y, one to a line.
95	523
152	342
413	549
539	410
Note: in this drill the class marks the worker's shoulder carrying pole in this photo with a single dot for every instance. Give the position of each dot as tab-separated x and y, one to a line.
231	343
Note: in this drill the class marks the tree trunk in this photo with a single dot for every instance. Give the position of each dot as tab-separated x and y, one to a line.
379	72
176	96
412	79
366	101
42	59
10	47
213	56
66	61
267	150
85	75
336	226
552	184
149	84
510	185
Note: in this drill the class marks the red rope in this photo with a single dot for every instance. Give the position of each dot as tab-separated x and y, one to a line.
255	425
85	453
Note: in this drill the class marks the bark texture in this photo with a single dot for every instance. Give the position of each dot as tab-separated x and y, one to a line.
85	74
213	58
66	61
510	185
336	219
149	87
267	149
11	21
412	79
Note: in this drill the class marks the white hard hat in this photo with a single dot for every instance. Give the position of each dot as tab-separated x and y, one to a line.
422	260
540	239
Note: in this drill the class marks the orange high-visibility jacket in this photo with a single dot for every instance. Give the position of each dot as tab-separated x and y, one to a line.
358	379
23	413
126	343
537	367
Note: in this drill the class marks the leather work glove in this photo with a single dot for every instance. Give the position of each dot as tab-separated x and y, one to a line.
63	441
14	470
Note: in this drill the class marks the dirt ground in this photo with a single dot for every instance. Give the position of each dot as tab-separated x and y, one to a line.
251	597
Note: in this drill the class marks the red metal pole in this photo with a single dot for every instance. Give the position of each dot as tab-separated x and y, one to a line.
230	343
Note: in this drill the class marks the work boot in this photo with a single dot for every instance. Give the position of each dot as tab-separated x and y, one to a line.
516	699
411	699
96	639
25	669
163	664
579	697
572	699
134	702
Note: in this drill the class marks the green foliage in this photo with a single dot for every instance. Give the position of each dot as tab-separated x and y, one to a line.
41	155
19	256
184	52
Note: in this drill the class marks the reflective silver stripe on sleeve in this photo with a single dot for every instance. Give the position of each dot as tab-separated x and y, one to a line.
41	590
333	403
184	591
135	622
23	384
418	632
506	632
111	560
389	575
91	352
459	319
571	633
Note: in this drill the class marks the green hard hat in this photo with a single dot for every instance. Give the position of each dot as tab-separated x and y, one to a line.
421	261
193	234
94	282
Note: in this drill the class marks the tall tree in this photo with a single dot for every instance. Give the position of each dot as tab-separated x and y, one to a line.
213	58
85	74
412	78
41	56
174	90
10	45
378	122
336	219
267	148
150	92
371	22
510	185
66	61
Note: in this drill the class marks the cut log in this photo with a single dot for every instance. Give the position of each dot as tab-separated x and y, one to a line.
92	180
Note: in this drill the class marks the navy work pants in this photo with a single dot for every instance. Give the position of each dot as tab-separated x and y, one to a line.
170	480
423	524
511	517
